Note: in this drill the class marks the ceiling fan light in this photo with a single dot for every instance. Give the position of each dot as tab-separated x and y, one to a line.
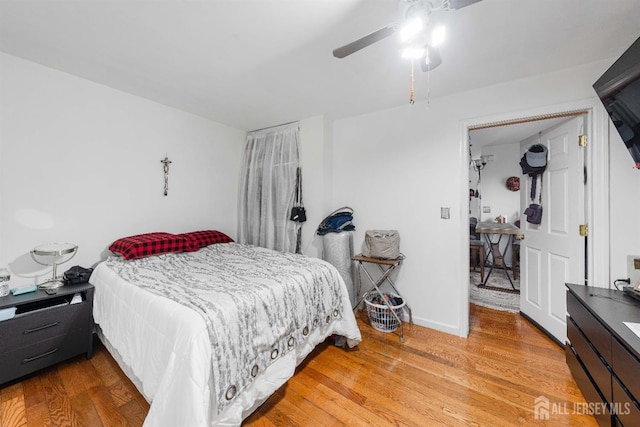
410	29
413	52
438	35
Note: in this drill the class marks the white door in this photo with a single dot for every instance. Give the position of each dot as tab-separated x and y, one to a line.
552	253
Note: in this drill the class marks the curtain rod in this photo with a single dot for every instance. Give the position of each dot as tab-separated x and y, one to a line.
528	120
276	126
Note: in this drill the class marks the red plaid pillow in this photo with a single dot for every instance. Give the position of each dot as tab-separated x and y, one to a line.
142	245
200	239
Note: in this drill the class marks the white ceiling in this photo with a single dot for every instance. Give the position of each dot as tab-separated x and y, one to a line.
257	63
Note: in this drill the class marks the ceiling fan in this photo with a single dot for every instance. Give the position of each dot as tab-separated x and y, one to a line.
418	29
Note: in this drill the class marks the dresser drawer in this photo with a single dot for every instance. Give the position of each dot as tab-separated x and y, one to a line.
589	391
32	327
597	368
625	407
22	361
594	331
625	366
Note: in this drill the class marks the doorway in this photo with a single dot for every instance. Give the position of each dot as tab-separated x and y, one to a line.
596	160
494	193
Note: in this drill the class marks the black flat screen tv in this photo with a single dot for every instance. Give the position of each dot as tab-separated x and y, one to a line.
619	91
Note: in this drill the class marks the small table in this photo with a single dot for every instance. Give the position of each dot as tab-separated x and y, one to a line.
386	267
489	229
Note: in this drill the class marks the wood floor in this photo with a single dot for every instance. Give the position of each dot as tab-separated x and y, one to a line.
433	379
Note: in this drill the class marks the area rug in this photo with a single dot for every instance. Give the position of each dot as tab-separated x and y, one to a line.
498	294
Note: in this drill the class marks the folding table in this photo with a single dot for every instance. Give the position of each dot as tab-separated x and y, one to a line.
489	229
386	266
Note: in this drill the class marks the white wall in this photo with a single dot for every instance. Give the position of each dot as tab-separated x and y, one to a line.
397	167
80	162
493	191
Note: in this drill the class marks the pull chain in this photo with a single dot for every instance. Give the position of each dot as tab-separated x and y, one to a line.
428	84
411	93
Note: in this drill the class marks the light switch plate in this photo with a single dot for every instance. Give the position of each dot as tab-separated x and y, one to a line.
444	213
486	209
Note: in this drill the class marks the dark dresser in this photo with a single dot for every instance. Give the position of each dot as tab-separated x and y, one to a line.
46	329
603	354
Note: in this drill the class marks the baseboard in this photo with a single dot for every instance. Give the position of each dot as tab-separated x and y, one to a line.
439	326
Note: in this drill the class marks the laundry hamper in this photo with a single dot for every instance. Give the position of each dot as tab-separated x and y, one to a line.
380	316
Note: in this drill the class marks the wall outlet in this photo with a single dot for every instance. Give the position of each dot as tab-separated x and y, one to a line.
486	209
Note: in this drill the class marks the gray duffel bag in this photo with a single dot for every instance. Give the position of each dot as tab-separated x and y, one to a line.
383	244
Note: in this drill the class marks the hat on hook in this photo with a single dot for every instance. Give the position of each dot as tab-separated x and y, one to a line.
534	161
536	156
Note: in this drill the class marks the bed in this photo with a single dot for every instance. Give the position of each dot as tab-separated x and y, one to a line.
209	333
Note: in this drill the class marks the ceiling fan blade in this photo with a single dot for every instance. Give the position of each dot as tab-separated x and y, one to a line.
459	4
365	41
431	59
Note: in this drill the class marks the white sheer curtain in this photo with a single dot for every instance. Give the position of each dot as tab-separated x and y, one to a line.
267	188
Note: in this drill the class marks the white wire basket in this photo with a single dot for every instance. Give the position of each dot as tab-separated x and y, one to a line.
380	316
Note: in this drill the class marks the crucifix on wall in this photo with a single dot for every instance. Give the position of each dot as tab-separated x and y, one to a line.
166	162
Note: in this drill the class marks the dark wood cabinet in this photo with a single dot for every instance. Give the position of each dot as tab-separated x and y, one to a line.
603	354
46	329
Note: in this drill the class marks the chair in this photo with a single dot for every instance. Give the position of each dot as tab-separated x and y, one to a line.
477	253
476	248
473	234
515	258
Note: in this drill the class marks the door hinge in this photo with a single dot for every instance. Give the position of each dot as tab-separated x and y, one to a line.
584	230
582	140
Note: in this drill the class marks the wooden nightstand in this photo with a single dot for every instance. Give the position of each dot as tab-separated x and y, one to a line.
46	329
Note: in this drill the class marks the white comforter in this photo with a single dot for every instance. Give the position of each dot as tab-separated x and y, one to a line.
208	336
